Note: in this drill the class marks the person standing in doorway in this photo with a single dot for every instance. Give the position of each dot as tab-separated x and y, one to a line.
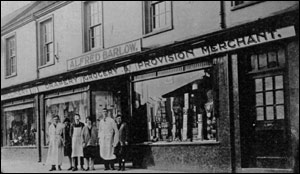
89	143
121	148
108	139
68	141
77	149
55	152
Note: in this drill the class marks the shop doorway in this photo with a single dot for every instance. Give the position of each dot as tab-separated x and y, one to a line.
264	140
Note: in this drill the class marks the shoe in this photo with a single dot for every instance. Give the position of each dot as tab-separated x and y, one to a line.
74	169
113	168
93	168
119	169
52	169
123	169
82	168
59	168
106	169
70	168
87	169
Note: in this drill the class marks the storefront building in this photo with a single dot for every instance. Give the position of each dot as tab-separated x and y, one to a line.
221	102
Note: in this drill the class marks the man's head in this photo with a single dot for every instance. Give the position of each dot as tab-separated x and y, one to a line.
77	118
119	119
55	119
105	112
67	121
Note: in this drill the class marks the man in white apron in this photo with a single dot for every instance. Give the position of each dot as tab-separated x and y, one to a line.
108	140
77	148
55	151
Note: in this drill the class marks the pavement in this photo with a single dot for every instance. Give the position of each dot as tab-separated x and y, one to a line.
15	166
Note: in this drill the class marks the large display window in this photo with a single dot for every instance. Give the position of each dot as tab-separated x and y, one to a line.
20	125
66	106
175	108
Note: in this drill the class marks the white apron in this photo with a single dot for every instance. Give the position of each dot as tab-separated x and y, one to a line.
77	149
108	137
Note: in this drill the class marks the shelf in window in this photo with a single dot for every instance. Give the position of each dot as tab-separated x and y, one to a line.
19	147
158	31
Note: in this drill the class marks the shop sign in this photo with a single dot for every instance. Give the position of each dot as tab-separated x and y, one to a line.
204	50
20	93
106	54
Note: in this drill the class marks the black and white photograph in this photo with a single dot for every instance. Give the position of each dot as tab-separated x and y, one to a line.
149	86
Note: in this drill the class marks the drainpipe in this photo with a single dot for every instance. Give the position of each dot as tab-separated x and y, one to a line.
37	97
222	14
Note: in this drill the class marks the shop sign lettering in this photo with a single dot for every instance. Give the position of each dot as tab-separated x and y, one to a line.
135	46
102	55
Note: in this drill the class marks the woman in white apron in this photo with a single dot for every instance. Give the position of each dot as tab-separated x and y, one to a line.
77	148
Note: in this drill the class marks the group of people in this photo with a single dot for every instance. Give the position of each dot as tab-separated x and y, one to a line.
77	140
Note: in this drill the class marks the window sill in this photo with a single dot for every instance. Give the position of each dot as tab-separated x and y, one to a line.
10	76
19	147
155	32
245	5
254	72
163	143
44	66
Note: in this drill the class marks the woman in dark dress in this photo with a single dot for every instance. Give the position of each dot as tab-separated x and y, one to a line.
68	141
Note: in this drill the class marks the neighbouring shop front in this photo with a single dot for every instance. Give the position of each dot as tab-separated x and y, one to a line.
213	105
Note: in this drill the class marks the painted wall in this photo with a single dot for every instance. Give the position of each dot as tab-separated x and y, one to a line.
190	19
255	11
26	56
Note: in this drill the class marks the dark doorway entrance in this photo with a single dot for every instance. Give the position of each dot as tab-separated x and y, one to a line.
264	140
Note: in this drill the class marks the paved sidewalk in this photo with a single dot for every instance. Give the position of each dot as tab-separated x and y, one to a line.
15	166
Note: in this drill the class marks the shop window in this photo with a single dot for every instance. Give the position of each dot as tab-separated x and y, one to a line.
175	108
46	41
21	126
267	60
93	25
66	106
158	16
269	98
11	58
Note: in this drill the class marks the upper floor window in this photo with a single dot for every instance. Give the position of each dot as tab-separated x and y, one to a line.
93	25
236	3
46	40
158	16
11	59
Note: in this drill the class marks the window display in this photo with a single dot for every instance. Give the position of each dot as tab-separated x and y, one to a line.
66	106
175	108
21	127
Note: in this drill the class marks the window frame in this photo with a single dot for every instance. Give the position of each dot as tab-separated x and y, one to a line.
86	26
154	74
243	5
6	54
148	29
41	41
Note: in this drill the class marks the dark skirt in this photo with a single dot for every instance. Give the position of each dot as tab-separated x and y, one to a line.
68	150
90	152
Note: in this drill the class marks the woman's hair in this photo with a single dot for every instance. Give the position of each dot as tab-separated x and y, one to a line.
89	118
67	120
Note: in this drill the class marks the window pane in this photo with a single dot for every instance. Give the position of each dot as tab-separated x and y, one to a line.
260	113
163	101
270	113
162	20
269	98
279	97
279	82
281	57
259	99
268	83
254	63
168	6
258	85
168	18
21	127
262	61
272	59
280	112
